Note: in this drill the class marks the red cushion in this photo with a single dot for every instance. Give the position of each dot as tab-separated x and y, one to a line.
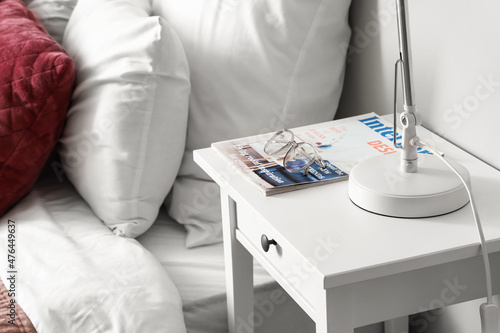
36	81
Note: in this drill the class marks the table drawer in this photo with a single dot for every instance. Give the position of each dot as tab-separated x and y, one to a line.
282	261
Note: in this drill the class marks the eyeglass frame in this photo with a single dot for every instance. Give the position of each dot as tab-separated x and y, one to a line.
291	145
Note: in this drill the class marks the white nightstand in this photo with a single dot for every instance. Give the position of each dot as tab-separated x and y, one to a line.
347	267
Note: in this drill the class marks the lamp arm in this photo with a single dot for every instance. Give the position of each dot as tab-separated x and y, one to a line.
410	117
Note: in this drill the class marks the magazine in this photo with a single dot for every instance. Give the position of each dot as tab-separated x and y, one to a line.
341	143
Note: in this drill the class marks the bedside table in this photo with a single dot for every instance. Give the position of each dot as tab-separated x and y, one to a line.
347	267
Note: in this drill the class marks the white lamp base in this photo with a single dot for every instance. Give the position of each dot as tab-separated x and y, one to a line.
377	185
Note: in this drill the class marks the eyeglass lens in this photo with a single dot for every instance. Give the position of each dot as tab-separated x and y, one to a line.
279	142
299	157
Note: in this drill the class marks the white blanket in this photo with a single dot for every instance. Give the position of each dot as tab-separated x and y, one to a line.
75	275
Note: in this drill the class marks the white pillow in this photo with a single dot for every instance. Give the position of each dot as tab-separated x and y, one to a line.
53	14
125	133
256	66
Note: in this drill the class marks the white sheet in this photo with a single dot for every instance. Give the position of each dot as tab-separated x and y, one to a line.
198	274
75	275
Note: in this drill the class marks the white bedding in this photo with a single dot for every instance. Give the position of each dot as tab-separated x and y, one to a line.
75	275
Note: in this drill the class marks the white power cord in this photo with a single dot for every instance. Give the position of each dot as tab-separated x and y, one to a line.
490	315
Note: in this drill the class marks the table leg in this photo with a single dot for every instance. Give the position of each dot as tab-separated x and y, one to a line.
239	272
334	312
397	325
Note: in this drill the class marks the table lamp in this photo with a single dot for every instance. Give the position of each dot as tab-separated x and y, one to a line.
407	184
411	186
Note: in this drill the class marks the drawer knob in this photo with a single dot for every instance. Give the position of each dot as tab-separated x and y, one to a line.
266	242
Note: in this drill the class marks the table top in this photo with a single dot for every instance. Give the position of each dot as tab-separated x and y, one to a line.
364	245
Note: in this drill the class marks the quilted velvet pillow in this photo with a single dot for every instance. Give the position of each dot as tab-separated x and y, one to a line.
126	128
255	66
36	81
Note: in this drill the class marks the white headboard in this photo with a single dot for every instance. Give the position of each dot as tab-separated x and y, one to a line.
456	67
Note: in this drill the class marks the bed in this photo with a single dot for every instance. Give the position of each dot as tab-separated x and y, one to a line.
109	224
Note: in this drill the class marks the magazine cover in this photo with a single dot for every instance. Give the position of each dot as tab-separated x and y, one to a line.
341	144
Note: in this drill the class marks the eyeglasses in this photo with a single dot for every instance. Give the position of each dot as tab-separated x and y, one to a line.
298	156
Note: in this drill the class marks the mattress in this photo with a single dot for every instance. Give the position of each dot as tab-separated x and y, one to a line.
199	275
70	273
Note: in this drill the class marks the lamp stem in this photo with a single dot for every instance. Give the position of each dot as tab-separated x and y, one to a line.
405	51
409	117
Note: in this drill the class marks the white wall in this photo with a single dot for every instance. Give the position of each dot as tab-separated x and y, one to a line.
456	66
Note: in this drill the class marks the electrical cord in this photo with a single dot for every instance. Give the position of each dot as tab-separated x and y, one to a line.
489	311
